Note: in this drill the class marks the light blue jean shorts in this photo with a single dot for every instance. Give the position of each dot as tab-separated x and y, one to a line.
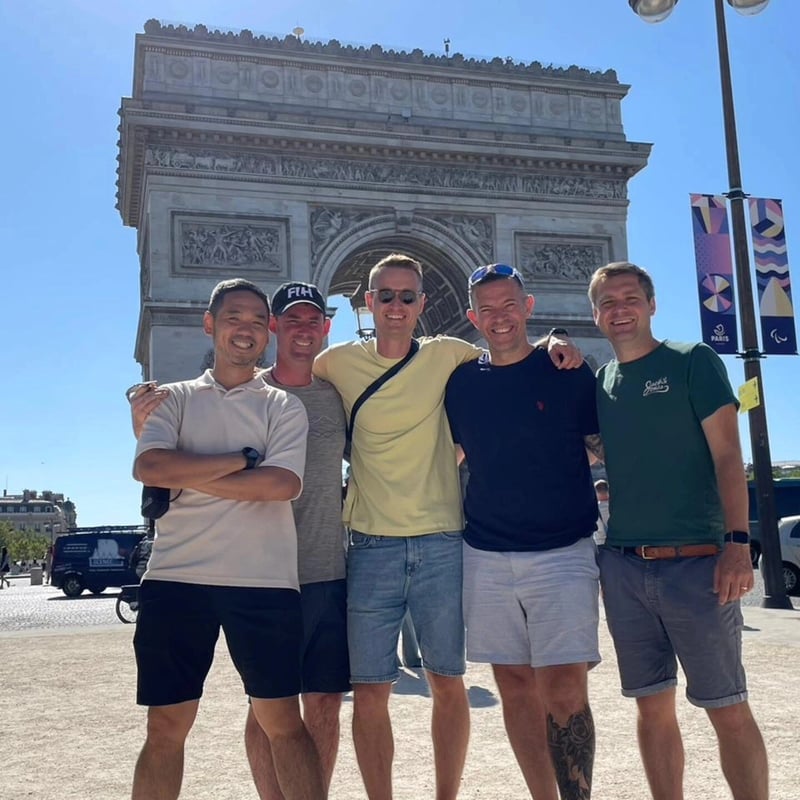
387	575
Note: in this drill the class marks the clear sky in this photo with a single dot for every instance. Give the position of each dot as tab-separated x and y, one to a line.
70	290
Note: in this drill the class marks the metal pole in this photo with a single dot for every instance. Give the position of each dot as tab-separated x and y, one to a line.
774	591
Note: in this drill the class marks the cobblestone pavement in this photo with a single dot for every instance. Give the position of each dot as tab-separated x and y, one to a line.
25	607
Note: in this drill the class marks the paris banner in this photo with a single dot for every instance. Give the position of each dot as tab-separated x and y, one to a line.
712	249
778	335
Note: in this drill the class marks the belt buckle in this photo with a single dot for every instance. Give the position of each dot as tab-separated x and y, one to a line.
646	557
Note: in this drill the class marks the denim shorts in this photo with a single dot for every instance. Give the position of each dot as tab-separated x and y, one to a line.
538	608
387	575
664	611
177	632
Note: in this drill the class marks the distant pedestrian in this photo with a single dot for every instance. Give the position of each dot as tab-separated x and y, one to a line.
601	490
48	564
5	566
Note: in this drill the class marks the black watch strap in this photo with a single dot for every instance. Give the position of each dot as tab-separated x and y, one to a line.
738	537
252	455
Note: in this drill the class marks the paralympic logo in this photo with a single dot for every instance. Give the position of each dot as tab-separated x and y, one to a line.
776	337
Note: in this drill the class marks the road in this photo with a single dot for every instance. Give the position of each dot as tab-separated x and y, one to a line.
25	607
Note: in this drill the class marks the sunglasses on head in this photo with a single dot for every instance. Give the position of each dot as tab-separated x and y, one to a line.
406	296
503	270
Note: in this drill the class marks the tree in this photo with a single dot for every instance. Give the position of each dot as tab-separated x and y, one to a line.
22	545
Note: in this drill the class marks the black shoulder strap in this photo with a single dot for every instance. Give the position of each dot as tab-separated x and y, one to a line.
375	385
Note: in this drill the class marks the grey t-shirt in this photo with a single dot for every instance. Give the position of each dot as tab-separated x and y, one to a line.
318	510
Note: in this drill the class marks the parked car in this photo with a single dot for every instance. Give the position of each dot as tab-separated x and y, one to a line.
789	536
96	559
787	504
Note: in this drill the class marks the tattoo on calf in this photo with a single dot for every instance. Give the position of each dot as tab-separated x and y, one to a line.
572	751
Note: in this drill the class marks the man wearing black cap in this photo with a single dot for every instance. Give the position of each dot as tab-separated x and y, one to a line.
300	325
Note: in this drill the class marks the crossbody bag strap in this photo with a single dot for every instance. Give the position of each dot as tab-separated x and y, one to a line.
374	386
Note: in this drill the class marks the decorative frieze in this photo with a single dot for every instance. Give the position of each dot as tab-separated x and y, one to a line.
389	175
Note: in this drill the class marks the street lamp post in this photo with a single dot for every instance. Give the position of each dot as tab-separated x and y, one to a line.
365	325
774	589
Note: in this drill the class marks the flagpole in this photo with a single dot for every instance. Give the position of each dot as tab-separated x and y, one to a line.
772	568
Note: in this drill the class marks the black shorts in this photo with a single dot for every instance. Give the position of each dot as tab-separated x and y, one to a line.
177	631
326	665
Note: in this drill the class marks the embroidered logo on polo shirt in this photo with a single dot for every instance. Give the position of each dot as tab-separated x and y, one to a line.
661	386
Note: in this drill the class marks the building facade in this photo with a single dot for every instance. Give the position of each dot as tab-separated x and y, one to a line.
47	513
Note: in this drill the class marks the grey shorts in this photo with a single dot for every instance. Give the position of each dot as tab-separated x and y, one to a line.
537	608
665	611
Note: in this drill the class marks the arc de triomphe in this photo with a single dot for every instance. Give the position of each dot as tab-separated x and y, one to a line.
277	159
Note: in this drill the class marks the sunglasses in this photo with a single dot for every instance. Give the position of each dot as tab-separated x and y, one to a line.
406	296
502	270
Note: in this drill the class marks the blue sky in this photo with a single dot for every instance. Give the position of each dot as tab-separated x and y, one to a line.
70	295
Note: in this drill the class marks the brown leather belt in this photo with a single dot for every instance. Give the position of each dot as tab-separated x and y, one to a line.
651	552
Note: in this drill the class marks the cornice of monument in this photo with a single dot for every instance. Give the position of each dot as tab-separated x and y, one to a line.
375	54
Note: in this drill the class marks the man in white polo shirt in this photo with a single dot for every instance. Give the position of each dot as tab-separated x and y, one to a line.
232	449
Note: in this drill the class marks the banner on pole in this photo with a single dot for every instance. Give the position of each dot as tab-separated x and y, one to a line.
778	336
712	249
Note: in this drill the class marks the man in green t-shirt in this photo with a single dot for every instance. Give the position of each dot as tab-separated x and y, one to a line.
676	560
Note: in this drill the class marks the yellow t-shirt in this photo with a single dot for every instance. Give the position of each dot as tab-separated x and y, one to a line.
404	478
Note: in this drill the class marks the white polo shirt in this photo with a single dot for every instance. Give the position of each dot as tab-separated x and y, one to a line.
210	540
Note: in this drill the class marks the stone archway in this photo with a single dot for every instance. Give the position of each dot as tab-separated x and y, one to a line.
281	159
342	263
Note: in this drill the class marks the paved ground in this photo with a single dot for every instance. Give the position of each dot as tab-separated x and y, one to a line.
72	730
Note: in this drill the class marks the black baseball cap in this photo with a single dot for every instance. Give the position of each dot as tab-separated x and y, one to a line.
290	294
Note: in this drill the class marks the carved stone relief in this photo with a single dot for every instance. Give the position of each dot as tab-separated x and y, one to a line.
474	230
329	223
547	259
389	174
209	243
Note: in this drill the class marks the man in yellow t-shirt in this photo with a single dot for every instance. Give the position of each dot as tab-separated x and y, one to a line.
403	507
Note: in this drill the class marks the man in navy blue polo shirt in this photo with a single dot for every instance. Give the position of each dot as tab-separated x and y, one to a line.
530	571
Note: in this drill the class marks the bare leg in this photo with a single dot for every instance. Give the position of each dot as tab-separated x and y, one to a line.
524	717
294	755
449	731
159	769
570	727
259	756
742	751
321	716
661	745
372	737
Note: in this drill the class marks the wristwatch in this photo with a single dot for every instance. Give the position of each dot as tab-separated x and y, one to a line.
558	332
738	537
252	455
